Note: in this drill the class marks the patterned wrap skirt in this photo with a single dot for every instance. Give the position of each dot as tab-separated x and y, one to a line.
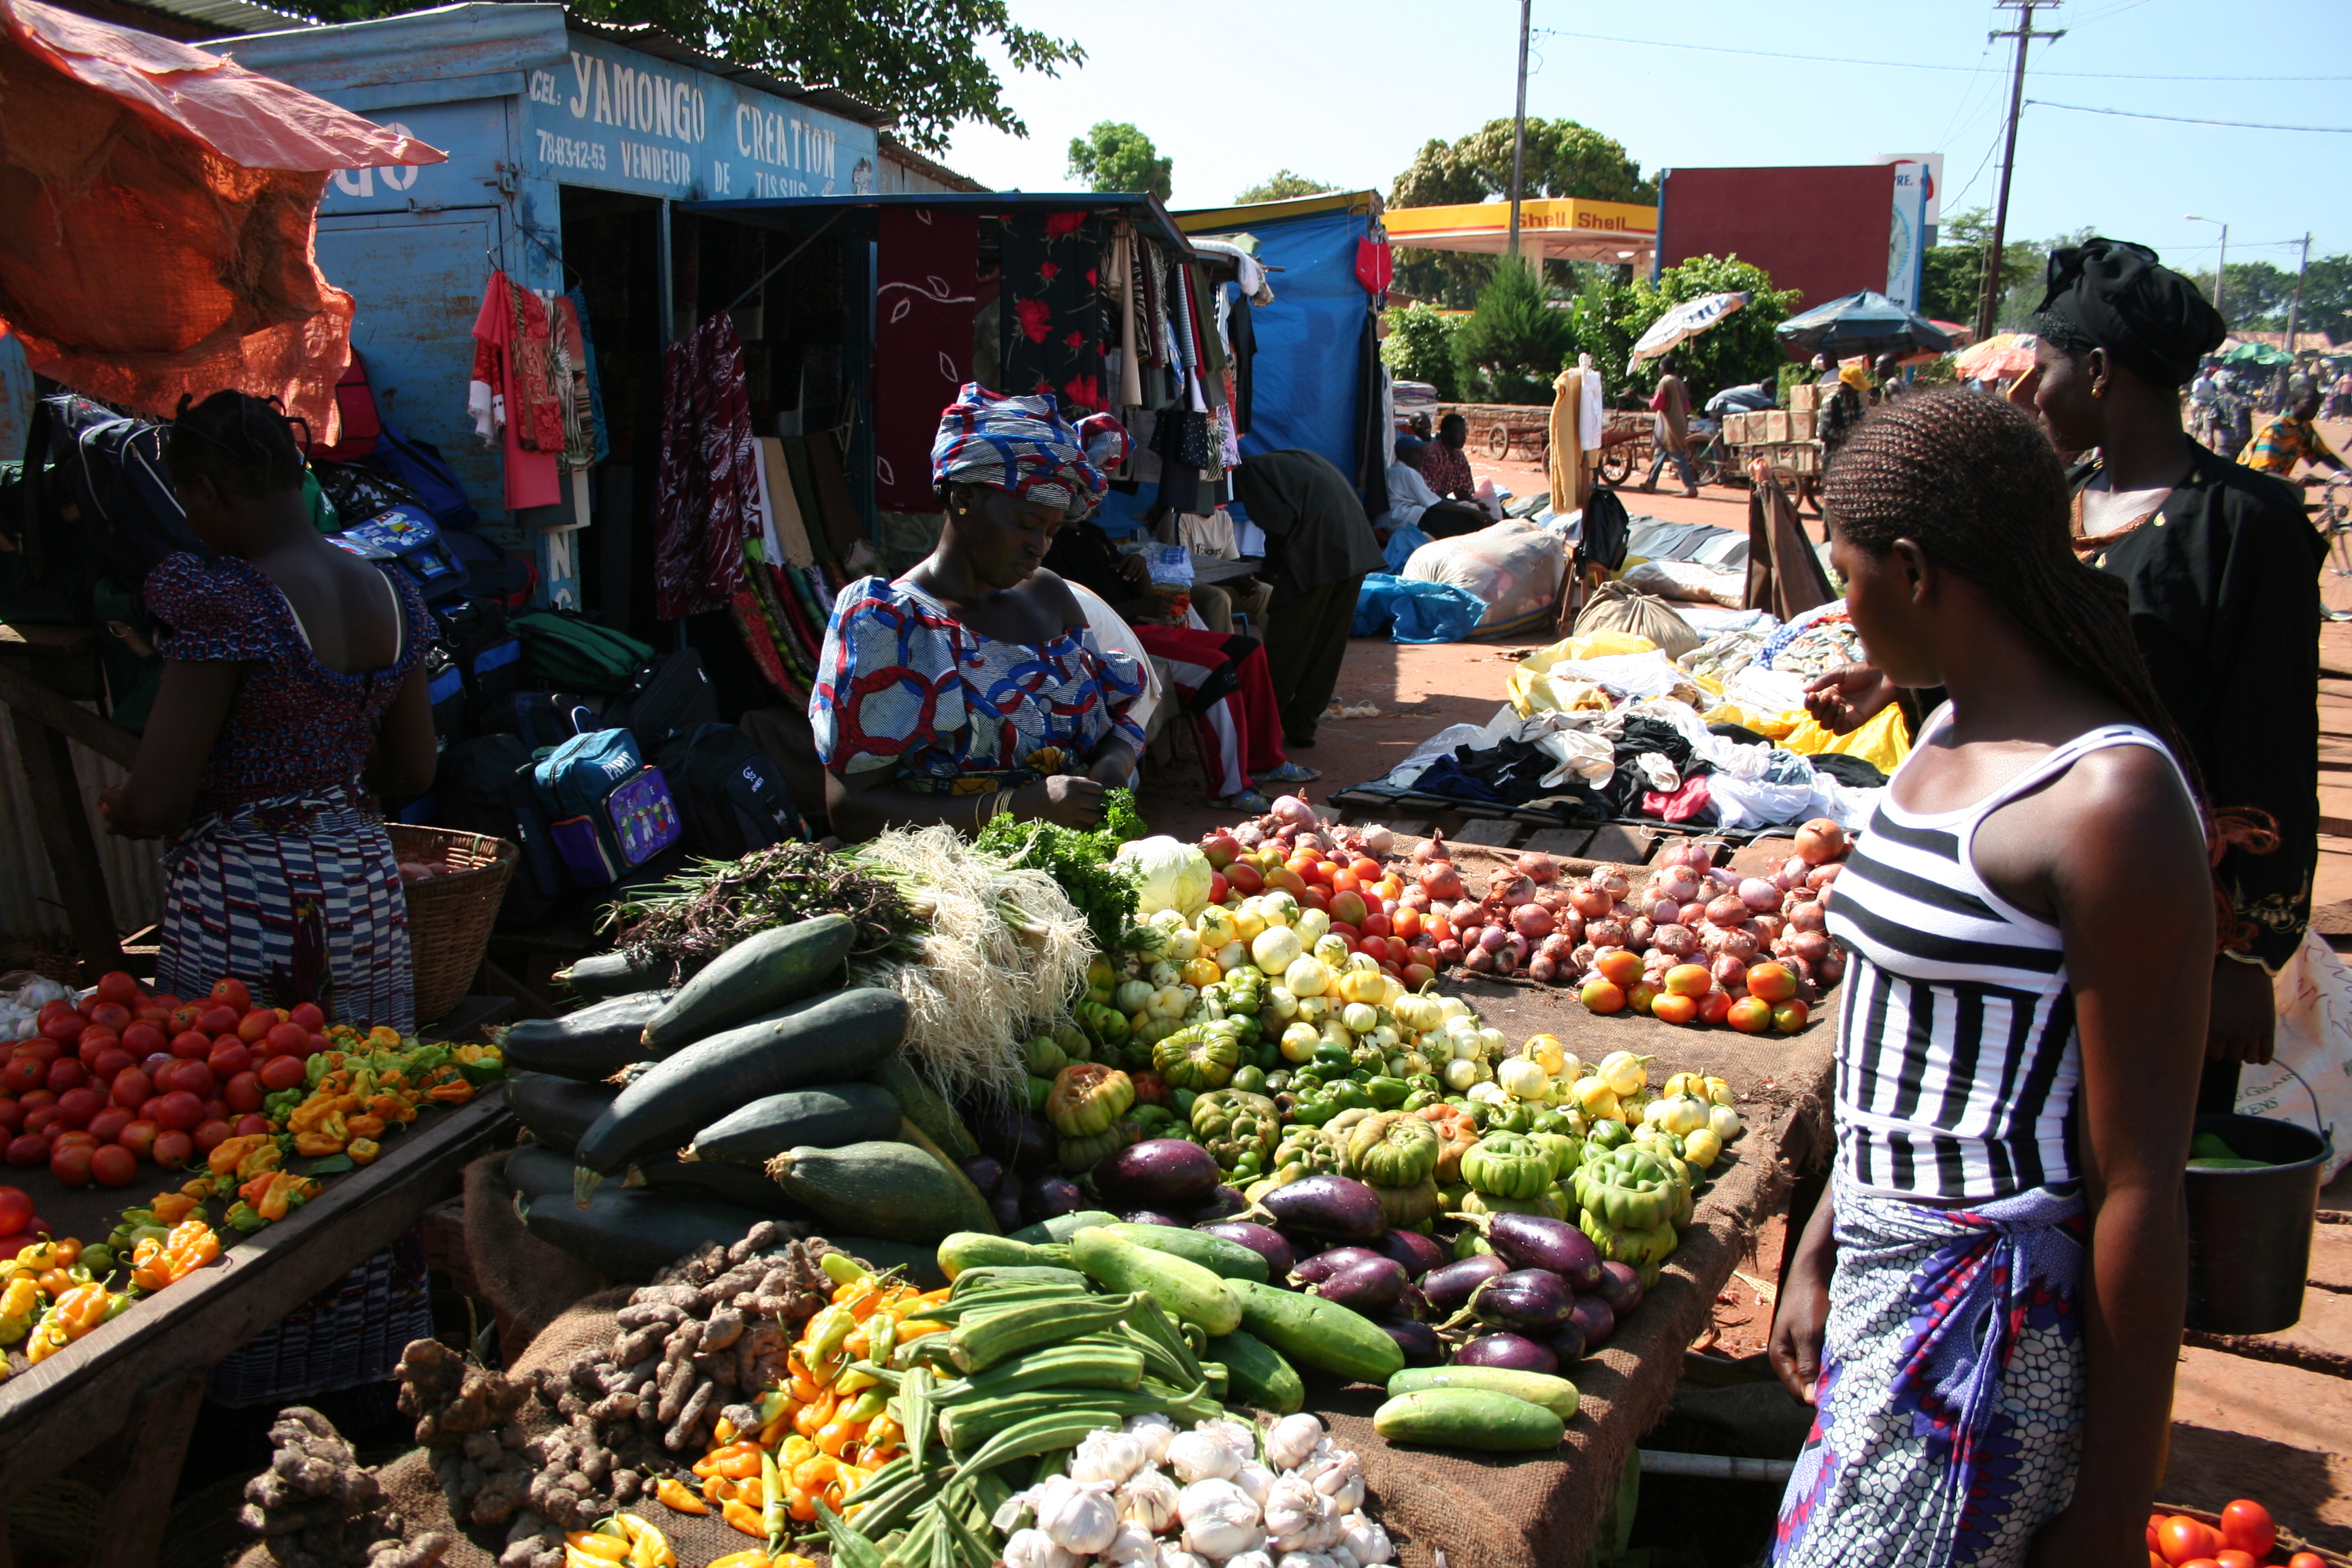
300	896
1947	1421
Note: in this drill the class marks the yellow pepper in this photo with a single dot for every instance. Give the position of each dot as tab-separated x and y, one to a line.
744	1518
383	1037
611	1548
363	1126
457	1093
751	1558
263	1157
392	1108
363	1151
229	1152
329	1141
18	1303
189	1247
170	1208
70	1317
675	1496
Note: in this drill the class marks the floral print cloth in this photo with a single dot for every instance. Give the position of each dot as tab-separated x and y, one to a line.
1053	327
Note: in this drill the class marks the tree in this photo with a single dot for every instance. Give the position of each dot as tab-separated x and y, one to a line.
1514	343
1282	186
1953	273
924	60
1563	158
1420	347
1610	318
1116	156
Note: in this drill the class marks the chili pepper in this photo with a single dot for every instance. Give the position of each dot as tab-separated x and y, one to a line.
744	1520
229	1151
775	1508
676	1497
44	1255
864	1408
58	1281
737	1461
170	1208
456	1093
96	1260
383	1037
826	1333
70	1317
328	1142
797	1451
362	1126
266	1156
392	1108
749	1557
717	1489
242	1216
19	1301
363	1151
610	1548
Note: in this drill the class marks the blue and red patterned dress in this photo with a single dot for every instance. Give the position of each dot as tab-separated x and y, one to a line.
284	878
903	685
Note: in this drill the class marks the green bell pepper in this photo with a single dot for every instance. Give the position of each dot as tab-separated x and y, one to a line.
1607	1133
1628	1188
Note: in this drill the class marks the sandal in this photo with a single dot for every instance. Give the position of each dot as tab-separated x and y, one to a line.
1249	800
1290	773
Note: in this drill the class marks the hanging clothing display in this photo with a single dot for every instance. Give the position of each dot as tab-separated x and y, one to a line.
927	291
706	492
511	395
1052	328
586	364
576	402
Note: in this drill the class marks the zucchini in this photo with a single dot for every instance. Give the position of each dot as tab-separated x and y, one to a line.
757	974
615	973
591	1044
918	1104
1313	1332
818	1041
534	1172
1468	1418
712	1179
1555	1394
1063	1226
557	1111
629	1233
1256	1375
894	1190
828	1116
974	1199
1183	1289
1226	1259
978	1249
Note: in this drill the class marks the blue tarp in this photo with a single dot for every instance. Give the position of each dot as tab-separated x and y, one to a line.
1407	610
1303	389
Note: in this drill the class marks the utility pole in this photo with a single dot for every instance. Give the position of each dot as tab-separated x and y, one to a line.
1519	131
2294	309
2024	32
2221	261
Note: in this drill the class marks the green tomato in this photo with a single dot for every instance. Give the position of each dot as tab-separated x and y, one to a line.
1251	1078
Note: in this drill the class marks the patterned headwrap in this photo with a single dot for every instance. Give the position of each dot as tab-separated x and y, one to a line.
1025	446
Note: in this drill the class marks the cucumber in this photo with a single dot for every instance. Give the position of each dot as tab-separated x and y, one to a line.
977	1249
629	1233
557	1111
1184	1290
1317	1333
822	1040
887	1189
757	974
729	1184
828	1116
534	1172
918	1104
615	973
1256	1375
1063	1226
1555	1394
1226	1259
1468	1418
591	1044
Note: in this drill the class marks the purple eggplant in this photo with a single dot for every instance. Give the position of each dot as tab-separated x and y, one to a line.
1159	1172
1620	1286
1567	1342
1417	1252
1539	1241
1412	1304
1007	1206
1336	1206
1267	1243
1154	1217
1223	1204
1595	1317
1525	1300
1418	1340
1369	1285
1022	1140
1516	1352
1448	1289
1046	1196
986	1174
1321	1266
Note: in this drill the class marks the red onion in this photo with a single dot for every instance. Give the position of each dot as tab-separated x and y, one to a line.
1821	841
1517	946
1767	928
1478	960
1591	901
1249	835
1543	968
1728	971
1581	959
1606	933
1614	880
1449	952
1740	944
1558	945
1809	946
1466	912
1795	870
1758	894
1431	848
1532	920
1313	844
1439	880
1822	876
1538	867
1809	916
1728	909
1679	885
1389	906
1491	937
1552	899
1674	940
1415	899
1832	969
1512	889
1693	914
1377	841
1295	814
1505	961
1573	923
1664	912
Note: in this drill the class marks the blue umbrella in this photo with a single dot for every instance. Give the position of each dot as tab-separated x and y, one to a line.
1866	322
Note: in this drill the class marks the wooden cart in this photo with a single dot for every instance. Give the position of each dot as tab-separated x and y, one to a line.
1507	427
1629	437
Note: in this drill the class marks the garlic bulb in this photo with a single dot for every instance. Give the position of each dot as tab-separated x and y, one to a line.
1327	1533
1292	1441
1349	1498
1294	1511
1250	1560
1036	1548
1335	1470
1367	1540
1153	1432
1149	1498
1219	1520
1175	1557
1132	1544
1238	1435
1079	1516
1106	1456
1254	1479
1342	1558
1201	1456
1305	1560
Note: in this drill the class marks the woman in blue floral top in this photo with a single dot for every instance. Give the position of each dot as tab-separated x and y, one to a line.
973	685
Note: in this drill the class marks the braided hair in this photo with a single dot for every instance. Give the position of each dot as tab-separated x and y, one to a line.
243	445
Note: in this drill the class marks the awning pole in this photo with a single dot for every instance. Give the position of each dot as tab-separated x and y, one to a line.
1519	131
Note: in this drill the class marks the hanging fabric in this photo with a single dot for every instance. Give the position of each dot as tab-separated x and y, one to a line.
1052	328
504	406
1122	276
571	375
927	291
706	492
578	300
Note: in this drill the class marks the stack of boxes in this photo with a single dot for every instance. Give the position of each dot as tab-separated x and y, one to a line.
1786	436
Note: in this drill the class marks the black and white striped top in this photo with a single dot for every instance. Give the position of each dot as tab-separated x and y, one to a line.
1958	1060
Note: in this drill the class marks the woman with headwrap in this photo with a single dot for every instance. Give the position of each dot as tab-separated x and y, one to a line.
2221	568
973	685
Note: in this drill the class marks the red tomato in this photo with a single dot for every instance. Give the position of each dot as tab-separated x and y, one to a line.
178	1112
93	1040
314	1044
252	1122
113	1165
1219	888
1393	970
77	1106
194	1045
1248	880
2307	1560
1348	908
118	987
153	1012
185	1016
1790	1017
219	1020
1716	1006
232	993
65	1028
12	1118
307	1014
281	1072
109	1124
109	1063
131	1088
1367	871
43	1119
138	1137
1407	924
69	1163
1375	924
255	1026
42	1050
67	1073
174	1148
61	1008
1324	871
1344	881
27	1150
2232	1557
1672	1008
2182	1539
215	1109
193	1078
2154	1521
20	1073
281	1038
73	1137
1749	1014
1313	898
15	1209
227	1061
34	1100
210	1134
1417	974
243	1092
140	1039
111	1016
2248	1526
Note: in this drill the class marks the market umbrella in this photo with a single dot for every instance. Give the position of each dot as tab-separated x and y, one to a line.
1686	319
162	202
2001	357
1864	323
2254	353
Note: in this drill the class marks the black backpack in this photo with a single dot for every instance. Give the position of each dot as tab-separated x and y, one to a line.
731	799
489	658
547	719
674	699
483	786
1606	528
112	467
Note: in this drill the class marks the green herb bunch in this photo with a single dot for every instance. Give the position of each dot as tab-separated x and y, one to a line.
1080	860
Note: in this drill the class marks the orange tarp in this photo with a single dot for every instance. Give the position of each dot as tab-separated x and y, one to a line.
161	206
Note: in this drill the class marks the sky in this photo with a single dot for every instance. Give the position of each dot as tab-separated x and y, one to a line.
1348	91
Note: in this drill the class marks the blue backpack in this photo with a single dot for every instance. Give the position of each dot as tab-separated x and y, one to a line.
608	813
409	538
420	465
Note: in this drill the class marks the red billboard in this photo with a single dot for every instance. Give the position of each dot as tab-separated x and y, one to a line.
1821	230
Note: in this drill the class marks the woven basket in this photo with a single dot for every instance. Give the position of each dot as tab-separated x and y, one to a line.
61	1517
449	916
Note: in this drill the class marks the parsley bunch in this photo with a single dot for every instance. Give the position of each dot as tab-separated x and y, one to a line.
1080	860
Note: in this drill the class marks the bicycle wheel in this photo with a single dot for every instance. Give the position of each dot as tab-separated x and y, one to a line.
1709	466
1616	464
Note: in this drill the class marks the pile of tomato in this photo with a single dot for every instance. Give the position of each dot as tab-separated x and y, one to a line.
125	1076
2244	1540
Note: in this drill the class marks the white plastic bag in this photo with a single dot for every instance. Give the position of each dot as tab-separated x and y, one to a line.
1689	579
2314	991
1514	567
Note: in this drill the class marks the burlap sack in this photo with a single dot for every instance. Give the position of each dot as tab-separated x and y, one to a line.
1615	607
527	1282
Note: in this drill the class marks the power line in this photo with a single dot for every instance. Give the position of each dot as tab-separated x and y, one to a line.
1903	65
2189	120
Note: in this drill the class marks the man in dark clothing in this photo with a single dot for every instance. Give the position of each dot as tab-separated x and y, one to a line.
1319	547
1446	467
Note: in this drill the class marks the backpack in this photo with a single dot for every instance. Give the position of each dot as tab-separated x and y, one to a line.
608	812
48	564
565	651
545	720
732	798
407	536
673	700
362	424
489	658
492	570
484	785
420	465
112	468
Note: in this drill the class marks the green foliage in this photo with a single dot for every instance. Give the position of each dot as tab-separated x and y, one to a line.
1514	343
925	60
1116	156
1610	318
1563	158
1420	347
1080	860
1282	185
2256	295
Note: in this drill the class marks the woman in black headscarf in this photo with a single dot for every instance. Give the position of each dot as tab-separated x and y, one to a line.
2220	567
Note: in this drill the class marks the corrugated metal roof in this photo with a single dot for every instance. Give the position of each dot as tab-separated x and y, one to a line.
1145	211
1219	220
228	15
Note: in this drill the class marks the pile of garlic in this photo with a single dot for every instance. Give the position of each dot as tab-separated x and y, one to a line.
1220	1496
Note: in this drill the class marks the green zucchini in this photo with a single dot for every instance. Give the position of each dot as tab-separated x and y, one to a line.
1468	1418
1317	1333
629	1233
978	1249
1063	1226
557	1111
615	973
821	1040
735	1184
590	1045
535	1172
888	1189
1256	1375
829	1115
1226	1259
923	1107
1183	1289
757	974
1555	1394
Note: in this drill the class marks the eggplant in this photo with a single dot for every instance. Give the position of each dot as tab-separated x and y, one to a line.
1417	1252
1268	1244
1567	1342
1369	1285
1621	1287
1539	1241
1223	1204
1314	1270
1046	1196
1022	1140
1516	1352
1525	1300
1163	1172
987	1174
1412	1304
1007	1206
1336	1206
1595	1318
1449	1287
1417	1341
1154	1217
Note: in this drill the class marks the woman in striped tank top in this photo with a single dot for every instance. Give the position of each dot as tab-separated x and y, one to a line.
1986	1308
